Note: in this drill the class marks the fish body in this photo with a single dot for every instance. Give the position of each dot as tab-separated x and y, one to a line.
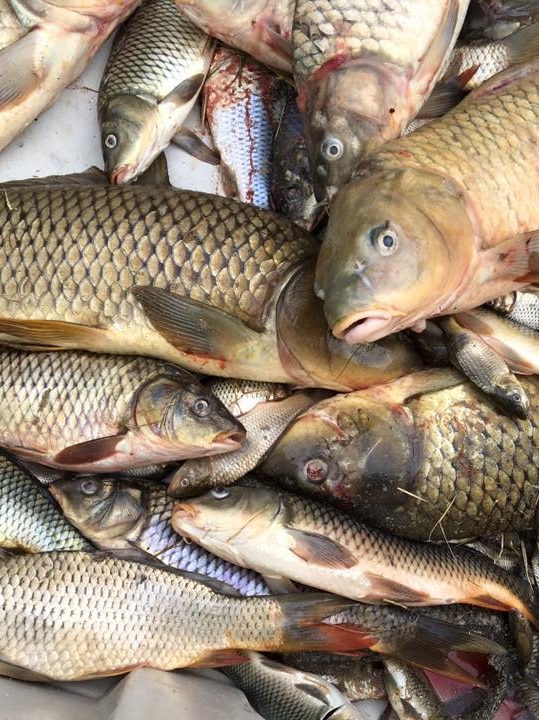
277	533
215	285
261	28
424	463
279	692
29	520
49	48
264	424
363	70
124	515
519	307
152	79
409	693
106	616
291	187
450	196
92	412
238	97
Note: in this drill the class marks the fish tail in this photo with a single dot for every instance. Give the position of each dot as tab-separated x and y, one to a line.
430	642
309	624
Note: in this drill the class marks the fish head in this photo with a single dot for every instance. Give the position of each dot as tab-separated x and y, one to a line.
129	136
178	414
227	518
105	510
344	449
348	113
398	247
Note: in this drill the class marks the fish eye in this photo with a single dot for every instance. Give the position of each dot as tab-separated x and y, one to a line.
316	471
111	141
89	487
220	493
384	239
201	407
332	148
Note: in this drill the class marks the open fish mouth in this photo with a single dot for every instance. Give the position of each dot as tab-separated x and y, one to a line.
229	440
122	174
360	328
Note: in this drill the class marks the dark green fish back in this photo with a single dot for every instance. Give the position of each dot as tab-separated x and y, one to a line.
150	52
73	254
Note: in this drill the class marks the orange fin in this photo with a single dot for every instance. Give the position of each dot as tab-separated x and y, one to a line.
52	335
385	589
447	93
220	658
89	452
320	550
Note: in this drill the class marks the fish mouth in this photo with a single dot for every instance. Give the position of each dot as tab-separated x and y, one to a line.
361	328
122	174
229	440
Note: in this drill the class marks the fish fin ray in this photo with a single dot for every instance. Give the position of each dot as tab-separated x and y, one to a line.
220	658
52	335
447	93
193	327
516	259
435	54
186	91
387	589
90	451
190	142
403	389
21	69
318	549
17	672
523	45
279	585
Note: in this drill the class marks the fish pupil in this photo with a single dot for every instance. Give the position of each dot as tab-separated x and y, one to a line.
388	241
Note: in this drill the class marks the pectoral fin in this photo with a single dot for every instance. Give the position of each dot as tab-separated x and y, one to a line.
186	90
189	141
21	69
434	57
19	673
318	549
89	452
385	589
195	328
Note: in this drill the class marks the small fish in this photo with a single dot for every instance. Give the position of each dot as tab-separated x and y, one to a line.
277	533
152	79
520	307
279	692
29	520
124	515
426	458
87	615
291	187
46	47
409	693
261	28
264	424
484	367
238	99
363	70
428	201
91	412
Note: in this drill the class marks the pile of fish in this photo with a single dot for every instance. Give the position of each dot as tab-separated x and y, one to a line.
290	431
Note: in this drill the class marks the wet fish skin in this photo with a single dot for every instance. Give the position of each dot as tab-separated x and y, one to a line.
291	187
238	99
325	548
279	692
261	28
520	307
91	412
363	71
29	520
154	73
105	616
264	424
216	285
126	515
478	208
410	694
419	464
46	47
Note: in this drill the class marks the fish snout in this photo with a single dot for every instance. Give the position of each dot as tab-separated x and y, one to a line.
231	439
122	174
185	511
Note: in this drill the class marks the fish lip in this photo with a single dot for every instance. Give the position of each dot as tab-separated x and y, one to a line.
184	510
230	440
364	327
122	174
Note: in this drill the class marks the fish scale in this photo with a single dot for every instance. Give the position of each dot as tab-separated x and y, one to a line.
29	520
73	254
150	61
